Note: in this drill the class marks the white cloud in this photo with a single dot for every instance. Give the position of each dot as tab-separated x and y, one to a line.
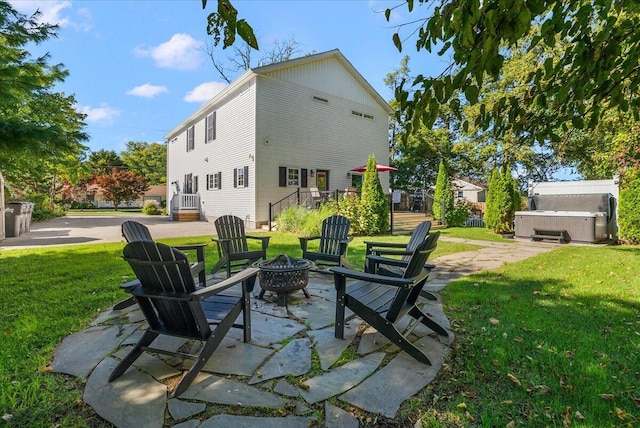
147	90
54	12
181	52
104	115
204	92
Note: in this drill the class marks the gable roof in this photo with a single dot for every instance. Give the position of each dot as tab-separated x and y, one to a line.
252	73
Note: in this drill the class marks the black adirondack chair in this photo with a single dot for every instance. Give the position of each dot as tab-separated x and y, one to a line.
172	305
233	249
134	231
418	235
332	248
396	267
382	301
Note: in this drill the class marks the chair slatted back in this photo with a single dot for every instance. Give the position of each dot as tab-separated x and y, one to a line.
232	228
420	255
418	235
334	230
406	297
134	231
164	270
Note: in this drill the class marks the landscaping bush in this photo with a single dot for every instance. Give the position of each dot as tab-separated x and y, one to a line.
457	217
302	221
374	204
151	208
350	208
629	211
443	196
85	205
503	200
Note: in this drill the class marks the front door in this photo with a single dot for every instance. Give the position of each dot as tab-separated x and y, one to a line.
322	180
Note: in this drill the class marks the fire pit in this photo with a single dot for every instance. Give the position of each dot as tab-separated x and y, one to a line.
282	275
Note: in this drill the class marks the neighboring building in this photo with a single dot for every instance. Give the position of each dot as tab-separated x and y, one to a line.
94	195
472	191
286	126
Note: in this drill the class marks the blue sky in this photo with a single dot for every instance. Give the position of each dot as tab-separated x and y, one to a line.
138	68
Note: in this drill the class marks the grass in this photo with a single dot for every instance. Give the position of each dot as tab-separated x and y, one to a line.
476	233
549	341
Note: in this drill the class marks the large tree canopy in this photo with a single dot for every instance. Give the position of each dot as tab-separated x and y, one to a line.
598	65
33	117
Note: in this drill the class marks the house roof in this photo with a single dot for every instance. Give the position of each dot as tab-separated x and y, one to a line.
470	184
251	73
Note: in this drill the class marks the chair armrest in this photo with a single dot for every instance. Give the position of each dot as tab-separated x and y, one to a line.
377	252
248	274
264	239
199	248
342	247
128	286
371	244
378	260
304	240
340	273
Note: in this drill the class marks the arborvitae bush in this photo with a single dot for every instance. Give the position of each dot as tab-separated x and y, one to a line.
629	211
443	196
503	200
374	205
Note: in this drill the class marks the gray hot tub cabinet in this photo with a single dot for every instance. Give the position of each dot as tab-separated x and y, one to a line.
580	226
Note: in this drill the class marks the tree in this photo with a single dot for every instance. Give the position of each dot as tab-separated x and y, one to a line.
148	160
374	205
597	65
443	196
121	186
103	161
33	118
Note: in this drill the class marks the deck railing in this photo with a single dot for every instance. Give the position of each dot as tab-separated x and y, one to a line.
185	201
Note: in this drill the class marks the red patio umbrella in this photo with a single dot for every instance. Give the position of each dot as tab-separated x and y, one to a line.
380	168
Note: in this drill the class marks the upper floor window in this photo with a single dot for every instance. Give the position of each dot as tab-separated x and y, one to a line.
210	127
190	138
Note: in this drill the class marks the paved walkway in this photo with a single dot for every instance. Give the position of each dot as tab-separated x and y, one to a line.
271	372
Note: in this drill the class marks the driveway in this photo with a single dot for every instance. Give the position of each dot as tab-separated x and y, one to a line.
93	229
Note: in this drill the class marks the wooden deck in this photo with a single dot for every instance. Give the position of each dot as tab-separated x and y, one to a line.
406	221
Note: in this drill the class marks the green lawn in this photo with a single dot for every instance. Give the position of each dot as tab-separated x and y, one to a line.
563	344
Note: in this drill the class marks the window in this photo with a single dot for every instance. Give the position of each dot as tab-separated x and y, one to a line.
190	140
360	114
292	177
460	193
210	127
214	181
241	177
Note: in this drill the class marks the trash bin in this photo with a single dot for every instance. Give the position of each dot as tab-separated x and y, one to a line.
11	223
28	215
20	214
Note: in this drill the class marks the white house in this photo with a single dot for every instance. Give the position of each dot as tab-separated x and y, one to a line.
286	126
471	191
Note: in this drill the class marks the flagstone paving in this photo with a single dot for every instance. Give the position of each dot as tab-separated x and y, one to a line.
276	370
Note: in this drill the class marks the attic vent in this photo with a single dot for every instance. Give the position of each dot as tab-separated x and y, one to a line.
360	114
322	100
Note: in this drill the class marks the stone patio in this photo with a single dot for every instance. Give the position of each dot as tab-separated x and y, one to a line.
274	374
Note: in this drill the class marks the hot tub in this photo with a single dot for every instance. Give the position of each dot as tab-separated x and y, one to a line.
581	226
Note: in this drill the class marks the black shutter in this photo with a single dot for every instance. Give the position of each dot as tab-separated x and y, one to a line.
220	180
246	176
208	179
282	176
303	177
214	125
235	177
